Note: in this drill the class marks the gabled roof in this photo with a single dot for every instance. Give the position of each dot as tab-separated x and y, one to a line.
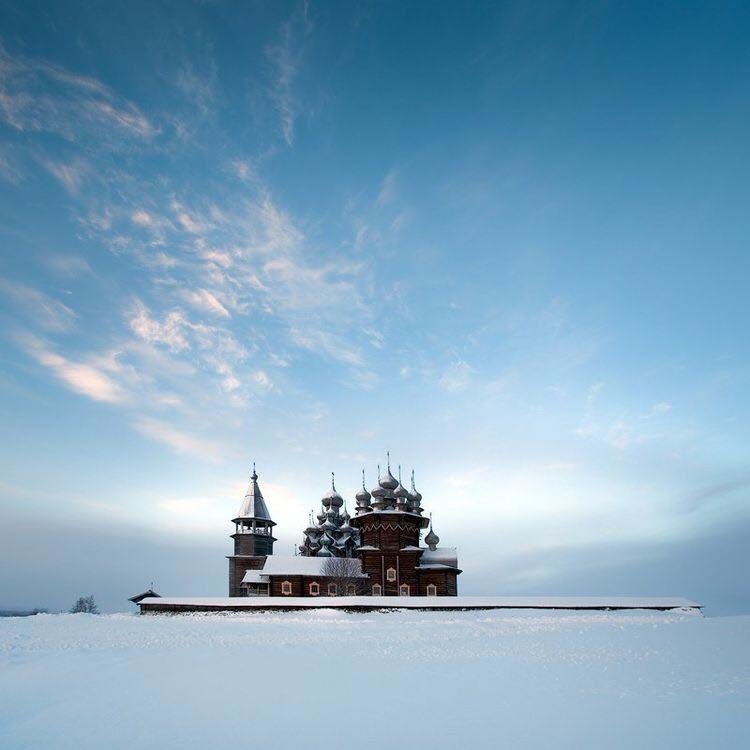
137	598
254	506
283	565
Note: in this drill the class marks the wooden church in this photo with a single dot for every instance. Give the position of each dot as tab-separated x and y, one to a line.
375	552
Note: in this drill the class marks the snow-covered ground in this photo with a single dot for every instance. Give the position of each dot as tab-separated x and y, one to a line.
510	679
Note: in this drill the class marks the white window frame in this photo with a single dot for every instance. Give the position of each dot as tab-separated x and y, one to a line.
379	588
314	589
333	589
286	588
404	590
351	589
431	589
390	575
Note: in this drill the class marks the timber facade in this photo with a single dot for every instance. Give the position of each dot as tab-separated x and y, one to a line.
376	552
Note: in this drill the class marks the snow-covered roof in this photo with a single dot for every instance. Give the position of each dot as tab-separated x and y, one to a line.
137	598
441	555
410	548
254	576
281	565
432	602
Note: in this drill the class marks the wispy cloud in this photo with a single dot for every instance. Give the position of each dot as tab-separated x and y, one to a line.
38	96
81	377
47	312
202	299
457	377
170	332
177	439
68	265
70	175
387	189
285	58
327	344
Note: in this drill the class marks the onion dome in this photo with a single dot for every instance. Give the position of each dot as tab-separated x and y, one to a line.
329	525
388	481
377	491
400	492
415	493
432	539
332	498
345	517
363	496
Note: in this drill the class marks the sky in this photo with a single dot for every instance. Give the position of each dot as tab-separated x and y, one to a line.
506	242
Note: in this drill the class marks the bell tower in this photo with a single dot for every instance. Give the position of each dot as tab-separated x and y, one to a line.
253	536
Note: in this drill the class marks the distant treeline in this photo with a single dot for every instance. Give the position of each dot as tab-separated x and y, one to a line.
22	612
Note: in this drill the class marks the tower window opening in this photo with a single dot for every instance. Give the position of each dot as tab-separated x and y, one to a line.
390	574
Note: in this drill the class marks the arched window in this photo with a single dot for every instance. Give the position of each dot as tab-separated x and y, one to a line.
431	589
314	589
377	589
333	589
390	574
286	588
351	589
403	589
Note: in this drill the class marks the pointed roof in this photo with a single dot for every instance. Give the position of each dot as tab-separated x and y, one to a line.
254	506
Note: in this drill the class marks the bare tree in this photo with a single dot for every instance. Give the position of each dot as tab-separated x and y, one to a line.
85	604
346	573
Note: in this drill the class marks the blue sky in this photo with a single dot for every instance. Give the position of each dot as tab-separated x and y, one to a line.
507	242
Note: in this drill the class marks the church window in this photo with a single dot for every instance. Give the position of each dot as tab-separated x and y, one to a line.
431	589
390	574
351	590
404	589
377	589
332	589
314	589
286	588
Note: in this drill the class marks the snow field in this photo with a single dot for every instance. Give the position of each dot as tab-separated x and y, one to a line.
487	679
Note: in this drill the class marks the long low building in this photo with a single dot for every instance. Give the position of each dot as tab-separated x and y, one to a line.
157	604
